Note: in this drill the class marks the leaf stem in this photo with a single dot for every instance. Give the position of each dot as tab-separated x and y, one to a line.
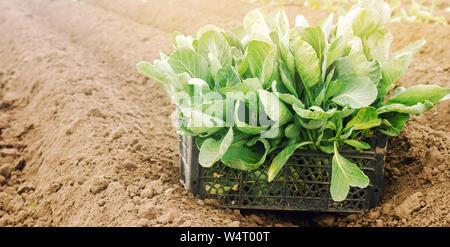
308	95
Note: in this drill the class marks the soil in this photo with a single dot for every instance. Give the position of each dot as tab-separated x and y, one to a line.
87	141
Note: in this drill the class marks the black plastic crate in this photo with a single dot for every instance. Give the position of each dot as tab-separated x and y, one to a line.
302	185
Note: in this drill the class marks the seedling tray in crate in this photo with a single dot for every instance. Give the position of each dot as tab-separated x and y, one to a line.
302	185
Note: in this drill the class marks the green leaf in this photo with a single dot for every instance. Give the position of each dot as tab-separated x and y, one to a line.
214	46
243	66
256	27
346	133
153	71
374	71
306	62
274	108
397	91
198	92
419	94
252	128
397	65
321	93
327	26
357	93
416	109
187	60
214	65
344	69
281	159
293	130
360	64
257	51
227	77
239	32
413	47
328	149
366	22
378	44
247	157
381	7
314	112
161	72
239	90
241	158
357	144
393	123
275	131
315	37
215	108
313	124
269	71
279	22
343	175
395	68
201	123
233	40
300	21
366	118
237	56
205	29
446	97
179	41
254	84
333	88
281	92
285	54
287	80
212	150
337	49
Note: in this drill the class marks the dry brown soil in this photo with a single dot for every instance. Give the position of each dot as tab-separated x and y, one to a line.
87	141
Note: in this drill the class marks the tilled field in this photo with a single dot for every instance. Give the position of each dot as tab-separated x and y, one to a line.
86	141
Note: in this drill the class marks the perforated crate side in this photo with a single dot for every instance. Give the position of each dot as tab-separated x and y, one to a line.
302	185
189	166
